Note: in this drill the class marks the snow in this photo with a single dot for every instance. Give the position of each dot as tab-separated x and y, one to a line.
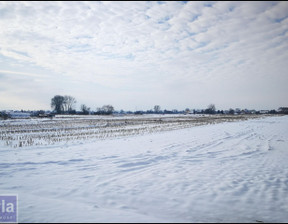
225	172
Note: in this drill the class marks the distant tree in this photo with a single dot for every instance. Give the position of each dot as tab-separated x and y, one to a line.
211	109
187	111
168	112
57	104
85	110
157	109
283	110
138	112
4	115
231	111
69	102
98	111
73	111
107	109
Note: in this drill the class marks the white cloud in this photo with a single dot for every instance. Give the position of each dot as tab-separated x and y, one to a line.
148	46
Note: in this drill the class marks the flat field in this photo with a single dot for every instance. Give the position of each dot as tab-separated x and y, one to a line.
147	169
69	129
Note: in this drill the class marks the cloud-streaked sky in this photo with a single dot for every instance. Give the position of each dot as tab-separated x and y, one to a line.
134	55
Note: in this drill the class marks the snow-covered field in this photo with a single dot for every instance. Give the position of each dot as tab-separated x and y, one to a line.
75	129
223	172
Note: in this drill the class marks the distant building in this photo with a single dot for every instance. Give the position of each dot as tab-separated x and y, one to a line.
18	114
263	111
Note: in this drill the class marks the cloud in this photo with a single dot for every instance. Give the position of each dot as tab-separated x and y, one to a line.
126	47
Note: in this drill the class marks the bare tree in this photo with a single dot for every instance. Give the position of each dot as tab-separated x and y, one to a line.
57	103
108	109
85	109
69	102
105	110
156	108
211	109
231	111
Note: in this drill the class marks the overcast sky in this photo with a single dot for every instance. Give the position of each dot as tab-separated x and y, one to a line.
134	55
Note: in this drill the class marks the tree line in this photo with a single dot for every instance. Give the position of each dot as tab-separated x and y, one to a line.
66	105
